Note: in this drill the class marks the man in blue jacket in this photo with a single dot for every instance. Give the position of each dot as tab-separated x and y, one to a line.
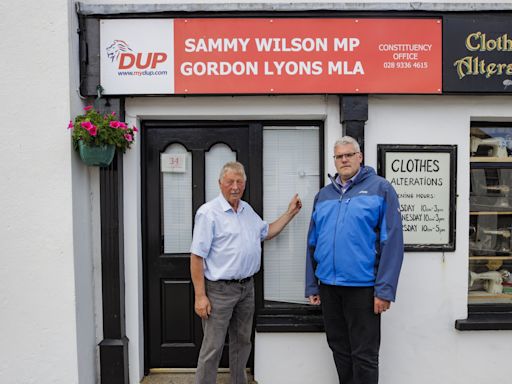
354	256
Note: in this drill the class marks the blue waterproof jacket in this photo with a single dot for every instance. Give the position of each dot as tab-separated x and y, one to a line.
355	239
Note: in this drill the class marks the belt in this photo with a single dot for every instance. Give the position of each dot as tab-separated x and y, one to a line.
236	281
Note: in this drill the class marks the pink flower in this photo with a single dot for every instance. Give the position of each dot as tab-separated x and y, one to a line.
87	125
70	125
128	137
114	124
93	131
122	125
88	108
134	129
113	113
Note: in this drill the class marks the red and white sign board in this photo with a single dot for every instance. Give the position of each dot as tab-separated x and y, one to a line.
271	56
136	56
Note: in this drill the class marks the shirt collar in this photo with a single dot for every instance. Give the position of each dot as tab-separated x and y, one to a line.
349	181
226	206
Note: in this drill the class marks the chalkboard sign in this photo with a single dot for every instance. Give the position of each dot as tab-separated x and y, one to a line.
424	177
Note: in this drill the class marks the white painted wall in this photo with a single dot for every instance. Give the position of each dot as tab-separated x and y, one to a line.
420	343
39	339
49	223
86	235
275	1
293	358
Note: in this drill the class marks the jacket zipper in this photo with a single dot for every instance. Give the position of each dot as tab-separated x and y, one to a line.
334	239
338	189
340	201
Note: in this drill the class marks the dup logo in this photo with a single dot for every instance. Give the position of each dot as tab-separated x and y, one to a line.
121	52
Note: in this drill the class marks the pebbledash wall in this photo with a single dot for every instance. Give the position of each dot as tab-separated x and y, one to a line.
49	223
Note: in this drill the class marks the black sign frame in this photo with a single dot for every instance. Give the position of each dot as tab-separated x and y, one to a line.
384	149
477	53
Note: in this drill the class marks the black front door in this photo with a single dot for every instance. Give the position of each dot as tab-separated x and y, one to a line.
172	194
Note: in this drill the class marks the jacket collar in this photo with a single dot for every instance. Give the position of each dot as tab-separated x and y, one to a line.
362	174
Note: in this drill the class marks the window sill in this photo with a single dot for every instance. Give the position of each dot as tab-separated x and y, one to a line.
486	318
289	323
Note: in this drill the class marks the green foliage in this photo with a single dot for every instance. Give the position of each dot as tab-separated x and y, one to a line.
92	128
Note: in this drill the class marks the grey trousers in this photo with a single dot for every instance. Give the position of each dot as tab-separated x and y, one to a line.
232	311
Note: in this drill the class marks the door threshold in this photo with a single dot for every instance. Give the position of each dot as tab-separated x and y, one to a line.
183	370
185	376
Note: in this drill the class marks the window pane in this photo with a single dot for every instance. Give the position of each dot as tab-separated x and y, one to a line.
490	220
290	165
215	158
177	203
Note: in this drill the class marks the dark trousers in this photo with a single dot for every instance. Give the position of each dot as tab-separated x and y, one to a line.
353	332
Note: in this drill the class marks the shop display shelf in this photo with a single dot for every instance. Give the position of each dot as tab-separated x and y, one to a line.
484	159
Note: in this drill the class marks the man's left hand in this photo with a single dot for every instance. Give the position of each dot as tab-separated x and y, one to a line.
380	305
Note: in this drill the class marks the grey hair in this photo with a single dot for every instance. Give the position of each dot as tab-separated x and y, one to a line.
348	140
233	166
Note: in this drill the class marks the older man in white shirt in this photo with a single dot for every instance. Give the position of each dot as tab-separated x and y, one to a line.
225	254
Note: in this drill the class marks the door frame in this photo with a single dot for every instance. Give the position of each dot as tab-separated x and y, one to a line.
254	189
266	108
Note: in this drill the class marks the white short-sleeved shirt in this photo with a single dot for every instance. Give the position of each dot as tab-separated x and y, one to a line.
228	241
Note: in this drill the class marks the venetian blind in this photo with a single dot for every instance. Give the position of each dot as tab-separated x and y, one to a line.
290	165
177	205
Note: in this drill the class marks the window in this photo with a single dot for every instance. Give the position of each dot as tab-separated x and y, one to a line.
177	205
291	164
490	227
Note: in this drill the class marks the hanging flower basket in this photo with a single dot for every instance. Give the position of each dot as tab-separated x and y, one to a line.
96	155
97	137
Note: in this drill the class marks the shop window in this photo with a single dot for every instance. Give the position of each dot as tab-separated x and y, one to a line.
291	164
177	204
490	227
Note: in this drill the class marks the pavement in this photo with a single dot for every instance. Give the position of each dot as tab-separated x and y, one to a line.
185	378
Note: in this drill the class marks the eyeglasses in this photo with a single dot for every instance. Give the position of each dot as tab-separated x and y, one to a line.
348	156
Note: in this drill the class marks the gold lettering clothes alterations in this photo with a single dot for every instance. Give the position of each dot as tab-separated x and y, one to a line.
478	41
475	66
